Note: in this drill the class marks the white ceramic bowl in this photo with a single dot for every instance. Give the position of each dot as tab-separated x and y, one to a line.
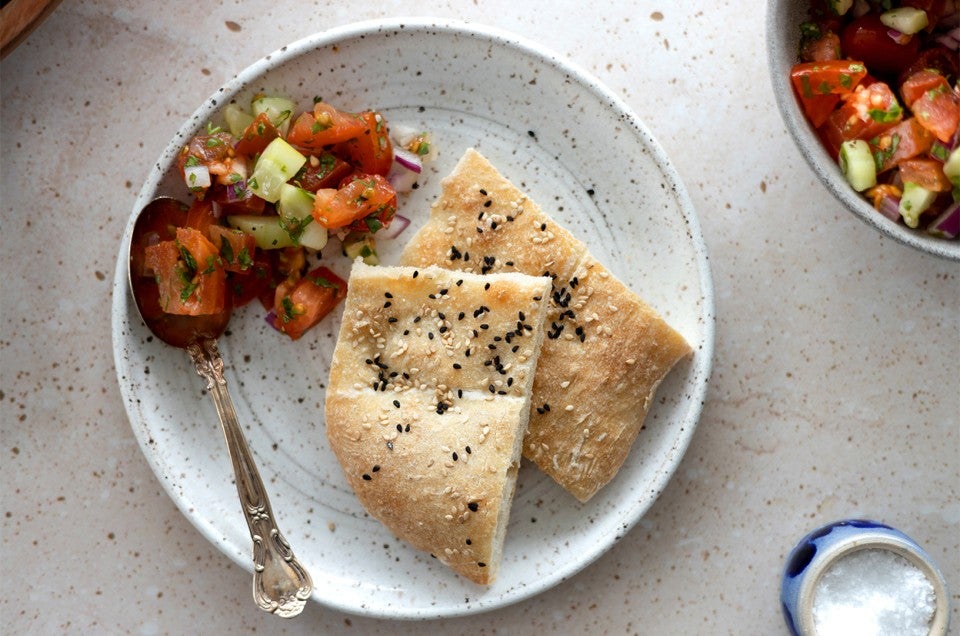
577	149
783	42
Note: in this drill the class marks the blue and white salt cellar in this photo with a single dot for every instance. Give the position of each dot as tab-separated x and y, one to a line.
861	550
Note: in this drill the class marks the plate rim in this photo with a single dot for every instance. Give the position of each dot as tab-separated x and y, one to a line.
702	361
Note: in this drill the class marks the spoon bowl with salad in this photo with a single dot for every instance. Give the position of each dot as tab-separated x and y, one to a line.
868	91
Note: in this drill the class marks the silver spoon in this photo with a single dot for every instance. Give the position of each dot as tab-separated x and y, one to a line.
280	583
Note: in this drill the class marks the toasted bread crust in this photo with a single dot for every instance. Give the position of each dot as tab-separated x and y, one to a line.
428	404
606	350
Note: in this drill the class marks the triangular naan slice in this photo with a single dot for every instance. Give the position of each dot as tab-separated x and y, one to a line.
605	352
429	400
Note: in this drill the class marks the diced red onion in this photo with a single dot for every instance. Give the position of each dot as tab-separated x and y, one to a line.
397	225
889	207
407	159
949	39
947	224
271	319
237	191
898	36
402	179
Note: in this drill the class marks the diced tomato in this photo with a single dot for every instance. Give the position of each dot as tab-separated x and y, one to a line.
824	15
235	247
360	196
201	216
325	126
927	173
936	58
867	39
303	303
257	136
906	140
838	77
823	47
245	203
919	83
865	113
819	108
189	275
372	151
257	281
212	151
938	110
291	261
328	172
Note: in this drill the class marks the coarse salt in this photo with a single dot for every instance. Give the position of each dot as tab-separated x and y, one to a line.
873	592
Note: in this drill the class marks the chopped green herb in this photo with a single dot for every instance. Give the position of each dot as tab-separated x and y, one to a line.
192	161
213	142
211	129
886	116
320	281
244	260
226	249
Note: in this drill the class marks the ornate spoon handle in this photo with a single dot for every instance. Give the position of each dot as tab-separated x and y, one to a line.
280	584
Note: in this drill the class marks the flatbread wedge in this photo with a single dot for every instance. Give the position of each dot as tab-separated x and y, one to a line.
428	403
606	351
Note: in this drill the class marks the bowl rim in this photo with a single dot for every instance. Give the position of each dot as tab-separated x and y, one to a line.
824	167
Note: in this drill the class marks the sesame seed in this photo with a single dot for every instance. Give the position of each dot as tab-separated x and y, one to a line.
569	407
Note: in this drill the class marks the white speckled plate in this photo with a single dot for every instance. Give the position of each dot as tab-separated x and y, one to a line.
577	150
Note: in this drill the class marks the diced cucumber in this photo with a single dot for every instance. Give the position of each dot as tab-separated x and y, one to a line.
296	204
266	230
278	109
907	20
951	168
295	201
914	202
840	7
857	165
364	246
277	164
237	119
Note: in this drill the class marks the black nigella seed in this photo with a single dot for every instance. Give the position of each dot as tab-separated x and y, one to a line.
456	365
387	295
473	506
396	403
387	304
366	477
468	450
399	428
459	282
469	542
486	286
443	292
460	316
391	319
406	429
415	273
487	203
481	564
455	456
376	468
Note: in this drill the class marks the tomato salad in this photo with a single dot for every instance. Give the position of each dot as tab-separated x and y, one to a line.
878	81
267	194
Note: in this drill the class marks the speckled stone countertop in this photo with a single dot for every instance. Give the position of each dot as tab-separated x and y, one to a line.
835	387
